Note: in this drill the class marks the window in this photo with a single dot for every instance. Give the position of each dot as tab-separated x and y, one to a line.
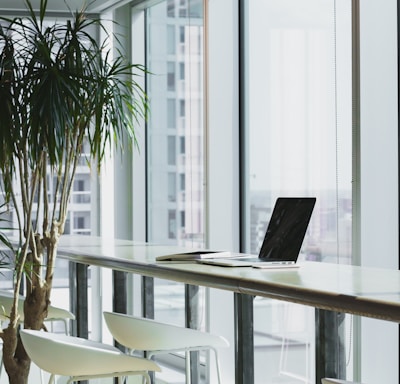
297	144
79	185
81	191
171	113
182	108
79	222
182	145
187	135
181	71
182	181
171	77
298	130
181	34
297	133
171	186
171	8
173	138
171	150
172	224
171	46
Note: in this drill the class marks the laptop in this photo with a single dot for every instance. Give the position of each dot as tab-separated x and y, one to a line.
283	238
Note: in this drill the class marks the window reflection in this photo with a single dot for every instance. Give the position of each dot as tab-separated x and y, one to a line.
299	136
175	134
297	69
175	140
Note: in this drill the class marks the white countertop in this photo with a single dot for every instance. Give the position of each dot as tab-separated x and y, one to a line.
363	291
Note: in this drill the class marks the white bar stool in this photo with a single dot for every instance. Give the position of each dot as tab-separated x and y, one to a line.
54	313
81	359
148	335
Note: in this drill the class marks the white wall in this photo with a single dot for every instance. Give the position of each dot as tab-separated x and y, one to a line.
379	175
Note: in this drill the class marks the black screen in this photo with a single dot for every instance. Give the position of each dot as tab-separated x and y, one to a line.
287	228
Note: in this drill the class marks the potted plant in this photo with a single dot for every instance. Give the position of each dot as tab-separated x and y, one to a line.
60	89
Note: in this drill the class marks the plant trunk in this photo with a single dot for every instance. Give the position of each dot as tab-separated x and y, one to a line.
36	303
16	360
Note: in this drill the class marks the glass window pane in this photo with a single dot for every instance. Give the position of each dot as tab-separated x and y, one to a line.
175	140
171	77
171	46
298	129
175	128
299	135
171	8
172	186
171	150
171	113
172	224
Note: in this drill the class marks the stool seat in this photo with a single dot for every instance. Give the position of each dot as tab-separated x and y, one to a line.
148	335
81	359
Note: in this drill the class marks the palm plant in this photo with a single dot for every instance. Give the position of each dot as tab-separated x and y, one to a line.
59	89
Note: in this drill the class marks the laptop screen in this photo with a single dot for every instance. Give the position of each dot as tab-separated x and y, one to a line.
287	228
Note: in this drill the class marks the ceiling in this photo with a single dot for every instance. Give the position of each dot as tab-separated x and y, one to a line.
96	6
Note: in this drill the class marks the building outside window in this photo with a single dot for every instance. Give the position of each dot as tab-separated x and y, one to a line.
175	139
181	139
288	154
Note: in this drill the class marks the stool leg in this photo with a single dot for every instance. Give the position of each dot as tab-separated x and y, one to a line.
41	376
217	364
150	354
187	365
146	378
